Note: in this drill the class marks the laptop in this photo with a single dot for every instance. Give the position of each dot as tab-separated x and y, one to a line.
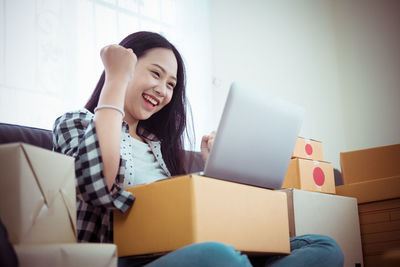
255	138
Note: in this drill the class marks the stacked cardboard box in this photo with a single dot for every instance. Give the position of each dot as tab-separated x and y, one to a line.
317	212
307	170
38	209
188	209
327	214
373	177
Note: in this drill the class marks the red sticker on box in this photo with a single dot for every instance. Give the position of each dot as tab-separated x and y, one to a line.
319	176
308	149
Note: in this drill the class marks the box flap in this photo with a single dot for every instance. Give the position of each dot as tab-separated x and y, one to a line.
56	163
369	164
70	204
372	190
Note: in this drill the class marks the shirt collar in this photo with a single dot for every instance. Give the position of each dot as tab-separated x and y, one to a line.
149	137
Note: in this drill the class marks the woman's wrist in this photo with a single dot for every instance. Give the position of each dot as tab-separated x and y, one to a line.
113	93
116	83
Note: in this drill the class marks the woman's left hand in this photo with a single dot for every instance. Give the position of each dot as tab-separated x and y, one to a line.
206	145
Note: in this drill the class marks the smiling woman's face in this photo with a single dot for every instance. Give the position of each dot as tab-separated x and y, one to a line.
152	85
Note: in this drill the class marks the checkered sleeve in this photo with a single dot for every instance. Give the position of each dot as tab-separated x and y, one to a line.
74	134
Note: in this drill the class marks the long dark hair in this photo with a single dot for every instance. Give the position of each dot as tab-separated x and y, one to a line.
169	123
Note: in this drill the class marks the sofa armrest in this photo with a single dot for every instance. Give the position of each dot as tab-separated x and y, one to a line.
10	133
193	162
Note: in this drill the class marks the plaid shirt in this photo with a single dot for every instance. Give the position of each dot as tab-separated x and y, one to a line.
74	134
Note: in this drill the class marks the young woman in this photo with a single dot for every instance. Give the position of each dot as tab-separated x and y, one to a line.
132	129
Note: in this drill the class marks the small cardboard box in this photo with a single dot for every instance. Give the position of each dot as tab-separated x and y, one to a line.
37	195
310	175
372	190
189	209
325	214
380	232
369	164
308	149
67	255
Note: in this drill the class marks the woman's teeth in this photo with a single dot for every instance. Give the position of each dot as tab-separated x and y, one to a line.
151	100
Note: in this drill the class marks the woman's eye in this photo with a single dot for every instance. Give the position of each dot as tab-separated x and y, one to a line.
156	74
171	85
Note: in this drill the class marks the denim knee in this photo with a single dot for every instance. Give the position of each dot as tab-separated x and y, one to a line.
327	247
204	254
329	244
219	254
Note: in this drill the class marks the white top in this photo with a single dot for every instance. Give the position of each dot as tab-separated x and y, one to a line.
141	167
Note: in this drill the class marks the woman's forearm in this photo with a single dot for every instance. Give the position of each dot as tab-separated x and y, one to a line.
108	124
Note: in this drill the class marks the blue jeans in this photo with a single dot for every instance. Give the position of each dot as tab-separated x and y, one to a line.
307	250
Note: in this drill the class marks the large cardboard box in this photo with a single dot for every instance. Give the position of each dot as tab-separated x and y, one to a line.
308	149
380	232
310	175
37	195
325	214
372	190
189	209
368	164
67	255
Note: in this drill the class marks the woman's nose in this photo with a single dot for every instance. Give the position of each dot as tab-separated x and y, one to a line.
161	89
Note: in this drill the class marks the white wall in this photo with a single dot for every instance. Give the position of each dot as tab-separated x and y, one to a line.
339	59
287	48
194	43
37	60
368	40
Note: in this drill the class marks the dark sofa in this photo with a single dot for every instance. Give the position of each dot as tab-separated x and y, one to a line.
10	133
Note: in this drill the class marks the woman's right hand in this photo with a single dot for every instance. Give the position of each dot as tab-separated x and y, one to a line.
119	62
119	65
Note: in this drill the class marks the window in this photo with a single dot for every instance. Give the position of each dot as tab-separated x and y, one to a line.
49	52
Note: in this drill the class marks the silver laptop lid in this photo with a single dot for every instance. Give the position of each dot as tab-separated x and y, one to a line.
255	138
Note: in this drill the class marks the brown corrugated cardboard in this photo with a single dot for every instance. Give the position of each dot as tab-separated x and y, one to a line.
388	259
37	197
325	214
308	149
368	164
372	190
67	255
310	175
380	229
190	209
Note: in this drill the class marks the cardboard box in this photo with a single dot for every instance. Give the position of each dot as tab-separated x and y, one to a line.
372	190
310	175
67	255
380	232
308	149
331	215
369	164
37	195
176	212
